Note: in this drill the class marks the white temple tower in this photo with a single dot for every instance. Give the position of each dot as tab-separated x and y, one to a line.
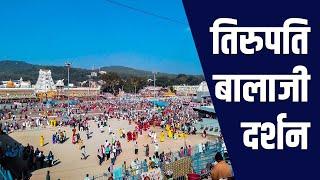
45	82
203	90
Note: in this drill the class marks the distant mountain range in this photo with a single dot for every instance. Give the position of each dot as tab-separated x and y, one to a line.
15	69
127	71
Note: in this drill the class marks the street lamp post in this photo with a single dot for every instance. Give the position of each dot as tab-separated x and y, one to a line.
154	89
89	92
68	65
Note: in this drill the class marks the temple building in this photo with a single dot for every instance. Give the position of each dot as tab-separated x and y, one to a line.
15	83
203	94
24	84
203	90
45	88
45	82
10	84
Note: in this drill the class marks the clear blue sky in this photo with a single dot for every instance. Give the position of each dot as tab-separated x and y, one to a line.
96	32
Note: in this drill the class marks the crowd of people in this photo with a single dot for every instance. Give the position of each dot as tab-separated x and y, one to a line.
36	159
110	150
176	119
139	110
32	157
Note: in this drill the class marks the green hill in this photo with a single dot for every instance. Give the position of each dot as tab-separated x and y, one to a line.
15	69
127	71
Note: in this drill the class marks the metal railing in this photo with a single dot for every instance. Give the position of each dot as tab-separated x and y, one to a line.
5	174
200	160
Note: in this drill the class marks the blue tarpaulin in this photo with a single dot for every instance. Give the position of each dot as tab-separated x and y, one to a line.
159	103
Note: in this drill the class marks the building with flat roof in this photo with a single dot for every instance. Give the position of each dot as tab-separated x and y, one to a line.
185	90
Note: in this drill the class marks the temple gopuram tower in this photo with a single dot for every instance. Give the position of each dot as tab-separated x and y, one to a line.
45	82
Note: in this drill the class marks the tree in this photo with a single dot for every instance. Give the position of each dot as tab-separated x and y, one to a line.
112	82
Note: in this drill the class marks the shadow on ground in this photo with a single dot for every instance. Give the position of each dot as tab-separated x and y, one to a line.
20	164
